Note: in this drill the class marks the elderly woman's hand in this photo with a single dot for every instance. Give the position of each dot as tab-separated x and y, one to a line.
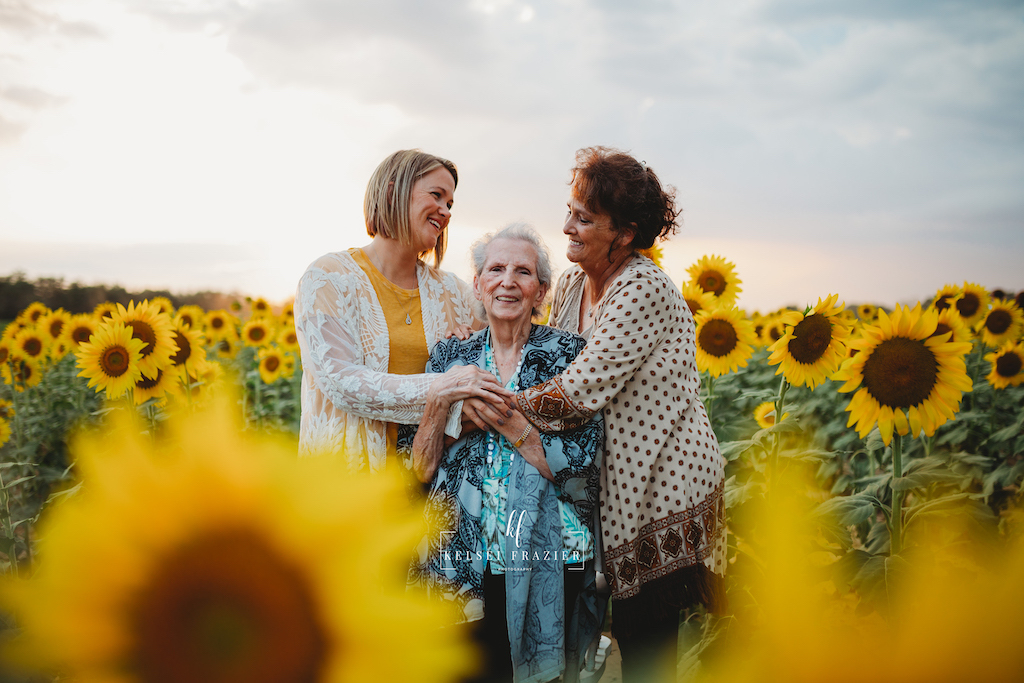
469	381
514	426
462	332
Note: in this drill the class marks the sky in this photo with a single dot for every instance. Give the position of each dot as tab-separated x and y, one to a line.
869	148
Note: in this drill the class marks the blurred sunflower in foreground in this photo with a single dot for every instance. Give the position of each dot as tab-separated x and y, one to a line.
205	556
950	619
902	367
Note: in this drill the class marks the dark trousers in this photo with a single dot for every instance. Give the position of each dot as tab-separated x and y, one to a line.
490	634
649	653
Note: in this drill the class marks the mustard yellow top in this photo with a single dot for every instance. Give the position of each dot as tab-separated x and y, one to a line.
408	353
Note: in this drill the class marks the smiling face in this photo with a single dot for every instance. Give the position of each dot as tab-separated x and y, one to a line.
430	206
508	285
591	236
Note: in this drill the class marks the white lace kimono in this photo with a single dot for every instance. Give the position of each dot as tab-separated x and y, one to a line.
347	393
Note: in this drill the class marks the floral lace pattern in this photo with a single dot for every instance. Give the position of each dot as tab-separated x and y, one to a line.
347	394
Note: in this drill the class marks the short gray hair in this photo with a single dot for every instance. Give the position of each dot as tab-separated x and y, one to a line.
525	233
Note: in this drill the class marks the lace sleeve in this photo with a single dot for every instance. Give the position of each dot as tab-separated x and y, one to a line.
346	360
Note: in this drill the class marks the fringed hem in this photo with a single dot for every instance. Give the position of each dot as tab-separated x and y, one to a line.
669	594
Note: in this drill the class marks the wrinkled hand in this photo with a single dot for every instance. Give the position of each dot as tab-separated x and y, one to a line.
469	381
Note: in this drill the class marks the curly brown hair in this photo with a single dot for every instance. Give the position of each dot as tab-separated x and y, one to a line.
611	182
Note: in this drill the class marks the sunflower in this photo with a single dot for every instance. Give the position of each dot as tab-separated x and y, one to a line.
12	328
105	310
190	358
258	332
772	329
288	368
191	315
1002	323
724	340
155	331
227	348
31	343
111	358
164	304
764	415
6	351
901	367
260	308
220	325
950	321
867	312
271	363
80	328
21	371
972	303
288	311
6	413
32	313
716	275
944	298
1007	366
697	299
288	339
58	349
225	559
1020	299
52	324
165	384
654	253
813	344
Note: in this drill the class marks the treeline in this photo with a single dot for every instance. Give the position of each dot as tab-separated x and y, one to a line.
17	292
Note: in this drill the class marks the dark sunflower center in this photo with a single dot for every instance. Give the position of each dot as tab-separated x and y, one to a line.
712	281
901	372
942	302
968	304
184	349
257	334
147	383
718	338
34	316
81	334
1008	365
811	338
940	329
272	363
217	323
55	327
228	608
694	306
114	361
144	332
998	321
4	354
33	346
292	339
775	333
25	371
187	319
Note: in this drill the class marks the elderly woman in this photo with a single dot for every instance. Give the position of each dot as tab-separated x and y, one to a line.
512	508
661	509
366	318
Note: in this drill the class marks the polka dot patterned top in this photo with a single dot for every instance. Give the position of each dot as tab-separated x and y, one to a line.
662	480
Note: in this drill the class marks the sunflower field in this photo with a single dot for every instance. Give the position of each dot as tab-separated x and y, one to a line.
875	457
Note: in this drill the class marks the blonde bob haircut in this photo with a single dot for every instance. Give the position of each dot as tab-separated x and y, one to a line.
386	205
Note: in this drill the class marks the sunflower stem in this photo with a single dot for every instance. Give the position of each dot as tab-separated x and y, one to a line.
773	456
896	535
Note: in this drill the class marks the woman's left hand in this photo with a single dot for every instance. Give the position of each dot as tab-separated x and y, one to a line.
512	428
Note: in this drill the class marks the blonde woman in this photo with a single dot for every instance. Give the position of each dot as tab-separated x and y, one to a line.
367	317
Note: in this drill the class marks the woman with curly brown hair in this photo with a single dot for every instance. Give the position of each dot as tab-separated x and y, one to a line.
661	510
